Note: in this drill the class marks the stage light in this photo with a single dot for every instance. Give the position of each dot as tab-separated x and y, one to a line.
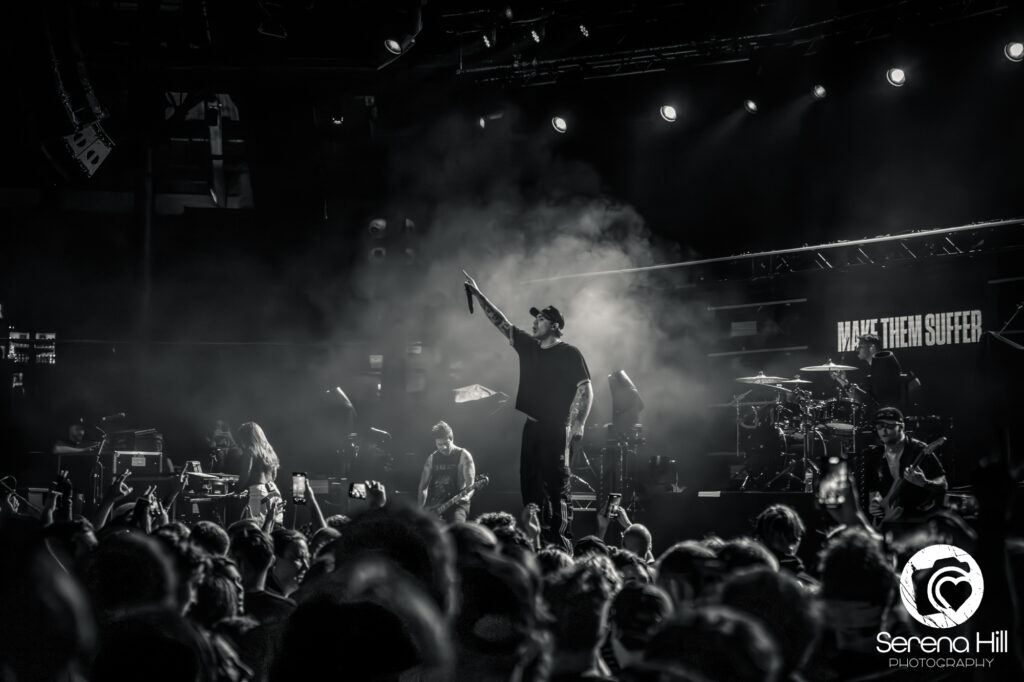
819	91
482	122
377	254
584	31
896	76
668	112
487	41
337	120
751	106
1014	51
559	124
392	46
535	35
377	228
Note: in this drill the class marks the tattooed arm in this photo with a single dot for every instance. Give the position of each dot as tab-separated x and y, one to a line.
496	317
580	409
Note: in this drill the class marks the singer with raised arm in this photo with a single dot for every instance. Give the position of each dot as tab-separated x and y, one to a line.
555	394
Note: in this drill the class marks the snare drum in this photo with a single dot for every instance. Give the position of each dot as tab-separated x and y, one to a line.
841	414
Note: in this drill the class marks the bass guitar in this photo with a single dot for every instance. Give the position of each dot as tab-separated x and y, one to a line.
891	511
480	482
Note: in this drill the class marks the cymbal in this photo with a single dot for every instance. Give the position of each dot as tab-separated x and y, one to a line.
760	379
796	381
828	367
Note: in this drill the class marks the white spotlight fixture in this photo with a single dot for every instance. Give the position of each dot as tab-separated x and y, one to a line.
668	112
392	46
559	124
896	76
1014	51
337	120
487	41
535	35
819	91
751	106
584	31
482	122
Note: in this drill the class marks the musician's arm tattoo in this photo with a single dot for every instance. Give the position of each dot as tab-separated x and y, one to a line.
496	317
580	409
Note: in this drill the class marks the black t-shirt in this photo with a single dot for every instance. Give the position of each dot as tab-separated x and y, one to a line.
548	377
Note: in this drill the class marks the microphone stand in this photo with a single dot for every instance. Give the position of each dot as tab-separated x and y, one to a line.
97	470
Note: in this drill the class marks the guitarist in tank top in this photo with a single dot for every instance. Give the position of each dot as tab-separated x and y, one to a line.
924	484
447	470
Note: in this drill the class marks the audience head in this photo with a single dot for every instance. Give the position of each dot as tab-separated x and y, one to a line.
746	553
321	539
637	539
219	595
589	544
782	605
578	599
855	568
781	529
631	568
291	554
211	538
337	521
551	560
472	538
253	552
713	643
636	613
130	571
412	538
47	631
373	606
500	626
686	571
495	520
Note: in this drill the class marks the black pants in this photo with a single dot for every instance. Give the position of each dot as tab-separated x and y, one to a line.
544	480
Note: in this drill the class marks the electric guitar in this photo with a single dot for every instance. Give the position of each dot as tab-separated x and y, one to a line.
480	482
891	511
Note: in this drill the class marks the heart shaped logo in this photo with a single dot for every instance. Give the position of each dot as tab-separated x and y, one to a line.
954	592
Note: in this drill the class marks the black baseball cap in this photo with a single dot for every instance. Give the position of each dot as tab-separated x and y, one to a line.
551	313
869	339
888	414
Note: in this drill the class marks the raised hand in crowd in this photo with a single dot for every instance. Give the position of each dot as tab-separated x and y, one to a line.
118	489
274	506
376	494
314	509
50	500
529	523
64	486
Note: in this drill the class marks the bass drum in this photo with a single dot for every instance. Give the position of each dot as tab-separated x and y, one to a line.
764	454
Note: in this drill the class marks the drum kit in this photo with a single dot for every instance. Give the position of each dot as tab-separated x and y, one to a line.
786	436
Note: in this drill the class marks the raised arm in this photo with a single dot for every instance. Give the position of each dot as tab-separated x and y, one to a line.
496	317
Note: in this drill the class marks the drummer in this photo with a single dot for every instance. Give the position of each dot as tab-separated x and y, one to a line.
867	346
